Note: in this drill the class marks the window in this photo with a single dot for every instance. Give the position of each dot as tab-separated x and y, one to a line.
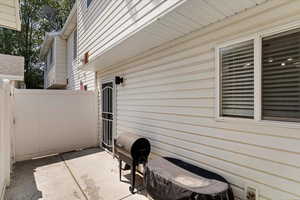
237	80
75	45
259	78
281	76
46	63
51	56
88	3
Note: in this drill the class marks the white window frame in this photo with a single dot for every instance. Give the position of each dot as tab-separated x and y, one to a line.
257	38
218	73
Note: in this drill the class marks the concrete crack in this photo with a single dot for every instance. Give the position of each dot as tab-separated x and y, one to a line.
73	176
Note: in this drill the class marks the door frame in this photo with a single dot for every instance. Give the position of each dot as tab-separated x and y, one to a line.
114	99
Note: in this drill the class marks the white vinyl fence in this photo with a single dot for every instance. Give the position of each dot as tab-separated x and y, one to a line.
54	121
6	129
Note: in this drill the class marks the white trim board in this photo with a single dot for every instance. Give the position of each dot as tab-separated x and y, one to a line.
13	78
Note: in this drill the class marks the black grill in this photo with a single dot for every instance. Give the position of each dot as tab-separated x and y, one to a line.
133	150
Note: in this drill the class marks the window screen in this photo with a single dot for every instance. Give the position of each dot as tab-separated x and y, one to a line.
75	45
281	76
237	80
88	2
51	55
46	63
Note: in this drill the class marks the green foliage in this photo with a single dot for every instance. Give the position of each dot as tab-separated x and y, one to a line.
38	17
34	77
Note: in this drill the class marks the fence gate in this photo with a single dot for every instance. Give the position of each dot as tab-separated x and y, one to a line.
54	121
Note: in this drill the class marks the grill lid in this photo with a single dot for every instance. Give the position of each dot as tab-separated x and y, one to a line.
138	147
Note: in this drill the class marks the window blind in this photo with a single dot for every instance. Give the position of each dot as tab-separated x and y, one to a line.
75	45
51	55
237	80
281	76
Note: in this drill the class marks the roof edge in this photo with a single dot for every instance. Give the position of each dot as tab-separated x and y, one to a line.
49	36
70	22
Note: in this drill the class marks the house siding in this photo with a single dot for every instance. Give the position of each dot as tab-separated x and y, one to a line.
60	60
9	14
56	73
50	77
75	75
11	65
169	96
119	19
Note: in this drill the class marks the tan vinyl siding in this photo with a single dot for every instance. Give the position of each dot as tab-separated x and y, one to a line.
169	97
76	75
60	60
119	19
49	76
57	71
12	66
9	14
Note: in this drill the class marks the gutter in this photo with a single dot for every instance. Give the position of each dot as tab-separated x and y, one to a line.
70	19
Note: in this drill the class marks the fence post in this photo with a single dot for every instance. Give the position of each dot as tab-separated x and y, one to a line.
5	135
2	144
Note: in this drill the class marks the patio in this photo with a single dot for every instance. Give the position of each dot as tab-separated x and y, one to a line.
90	174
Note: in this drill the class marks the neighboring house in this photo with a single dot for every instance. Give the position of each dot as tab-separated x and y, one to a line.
53	52
59	51
10	14
11	67
216	83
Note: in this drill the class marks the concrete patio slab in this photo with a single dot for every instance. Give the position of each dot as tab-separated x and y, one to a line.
43	179
98	175
90	174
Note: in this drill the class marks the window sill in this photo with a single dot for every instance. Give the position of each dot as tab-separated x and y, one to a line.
281	124
269	123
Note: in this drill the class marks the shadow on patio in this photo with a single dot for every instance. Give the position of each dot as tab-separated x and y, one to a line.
90	174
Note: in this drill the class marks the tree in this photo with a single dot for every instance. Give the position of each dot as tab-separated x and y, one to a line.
55	14
38	17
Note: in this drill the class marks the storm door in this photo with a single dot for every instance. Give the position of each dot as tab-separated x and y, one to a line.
107	115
